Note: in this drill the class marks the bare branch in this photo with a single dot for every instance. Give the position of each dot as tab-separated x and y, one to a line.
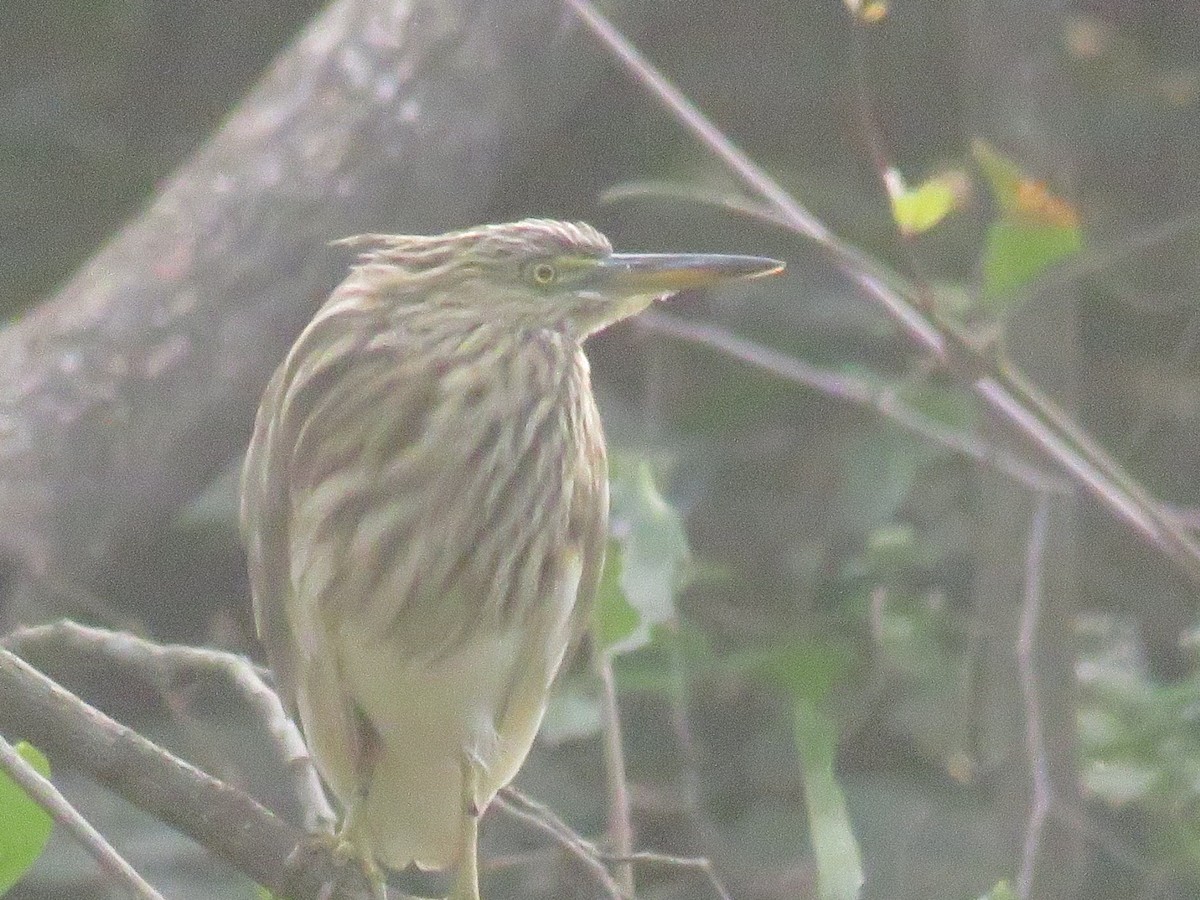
858	391
527	810
226	821
620	820
990	376
689	114
167	666
119	872
1041	791
519	806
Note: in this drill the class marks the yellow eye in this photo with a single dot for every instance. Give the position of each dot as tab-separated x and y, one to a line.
544	273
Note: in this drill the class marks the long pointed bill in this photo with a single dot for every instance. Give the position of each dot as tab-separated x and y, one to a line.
642	274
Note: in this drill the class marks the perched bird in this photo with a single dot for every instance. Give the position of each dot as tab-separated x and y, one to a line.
424	507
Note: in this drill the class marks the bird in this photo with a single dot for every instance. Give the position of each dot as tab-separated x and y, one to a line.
424	507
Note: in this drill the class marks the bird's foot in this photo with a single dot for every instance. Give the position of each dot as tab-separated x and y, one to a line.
316	846
346	849
344	852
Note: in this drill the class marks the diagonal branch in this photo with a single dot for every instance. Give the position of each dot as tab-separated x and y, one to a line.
227	822
1003	390
518	806
166	667
43	792
857	390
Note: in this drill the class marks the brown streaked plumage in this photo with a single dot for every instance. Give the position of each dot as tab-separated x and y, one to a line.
424	505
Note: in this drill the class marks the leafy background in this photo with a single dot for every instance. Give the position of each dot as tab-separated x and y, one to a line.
812	614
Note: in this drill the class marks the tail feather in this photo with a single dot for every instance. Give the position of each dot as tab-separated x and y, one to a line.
414	812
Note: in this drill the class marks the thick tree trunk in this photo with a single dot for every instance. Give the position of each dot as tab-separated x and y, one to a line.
124	393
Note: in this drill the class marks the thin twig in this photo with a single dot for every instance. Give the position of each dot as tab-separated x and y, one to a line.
543	856
520	806
515	804
873	136
1041	791
620	820
681	724
698	123
47	796
223	819
988	375
1169	533
738	203
857	265
165	665
700	864
856	390
1001	399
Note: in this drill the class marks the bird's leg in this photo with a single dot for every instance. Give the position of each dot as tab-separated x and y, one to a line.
466	883
352	839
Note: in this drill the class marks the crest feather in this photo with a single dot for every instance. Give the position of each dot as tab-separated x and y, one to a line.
511	240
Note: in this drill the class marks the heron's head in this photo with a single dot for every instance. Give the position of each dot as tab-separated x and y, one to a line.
539	273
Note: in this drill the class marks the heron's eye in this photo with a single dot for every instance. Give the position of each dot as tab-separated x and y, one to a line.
544	274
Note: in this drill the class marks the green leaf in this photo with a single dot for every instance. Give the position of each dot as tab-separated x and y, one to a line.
573	713
805	669
916	210
1017	252
1003	175
835	849
1035	228
1119	783
614	619
652	552
1002	891
24	825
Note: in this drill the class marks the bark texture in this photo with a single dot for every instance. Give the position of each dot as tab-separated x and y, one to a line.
124	393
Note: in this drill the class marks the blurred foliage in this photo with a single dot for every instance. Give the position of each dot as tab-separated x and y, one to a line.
1001	891
918	209
1034	230
1140	740
648	554
835	850
24	825
790	592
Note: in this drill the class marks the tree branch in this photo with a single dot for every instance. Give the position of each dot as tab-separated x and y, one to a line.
1002	388
123	394
229	823
43	792
165	667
